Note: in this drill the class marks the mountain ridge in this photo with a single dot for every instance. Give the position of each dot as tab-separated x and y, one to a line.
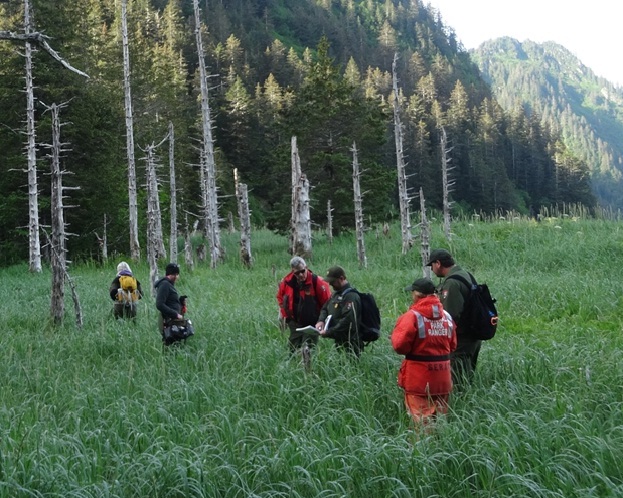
549	80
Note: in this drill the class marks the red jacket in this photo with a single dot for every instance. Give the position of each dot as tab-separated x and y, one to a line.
285	294
426	336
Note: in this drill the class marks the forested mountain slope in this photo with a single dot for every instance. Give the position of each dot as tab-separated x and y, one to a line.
316	69
550	82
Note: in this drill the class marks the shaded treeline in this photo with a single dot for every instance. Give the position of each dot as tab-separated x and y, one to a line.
320	70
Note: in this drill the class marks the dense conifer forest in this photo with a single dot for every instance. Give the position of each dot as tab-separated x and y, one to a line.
552	85
316	69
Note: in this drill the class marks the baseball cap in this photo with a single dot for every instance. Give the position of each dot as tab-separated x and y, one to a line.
439	255
423	286
334	273
172	269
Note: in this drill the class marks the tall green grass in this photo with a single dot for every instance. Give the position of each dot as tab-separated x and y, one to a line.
105	412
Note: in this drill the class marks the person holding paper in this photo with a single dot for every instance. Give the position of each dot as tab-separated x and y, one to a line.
344	310
301	296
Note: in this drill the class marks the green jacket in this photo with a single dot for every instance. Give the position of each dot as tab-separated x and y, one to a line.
345	310
453	293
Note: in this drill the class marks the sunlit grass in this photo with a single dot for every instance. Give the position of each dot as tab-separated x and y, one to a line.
103	411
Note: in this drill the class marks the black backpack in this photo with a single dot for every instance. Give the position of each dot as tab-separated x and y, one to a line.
370	324
479	319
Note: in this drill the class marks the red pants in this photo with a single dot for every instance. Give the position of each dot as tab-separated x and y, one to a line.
424	408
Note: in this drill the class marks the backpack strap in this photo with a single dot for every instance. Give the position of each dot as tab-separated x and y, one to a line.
463	280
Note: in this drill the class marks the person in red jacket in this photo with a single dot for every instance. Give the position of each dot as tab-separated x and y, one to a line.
426	336
301	295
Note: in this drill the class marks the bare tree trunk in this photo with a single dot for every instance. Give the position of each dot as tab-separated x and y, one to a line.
31	151
329	222
296	175
155	238
447	184
57	241
57	302
245	222
103	240
135	248
424	236
359	226
231	228
188	247
405	218
208	162
301	222
173	194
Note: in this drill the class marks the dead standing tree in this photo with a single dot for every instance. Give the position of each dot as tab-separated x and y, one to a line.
29	37
301	218
244	214
447	184
405	217
135	248
155	243
329	222
424	236
208	163
173	194
59	236
359	225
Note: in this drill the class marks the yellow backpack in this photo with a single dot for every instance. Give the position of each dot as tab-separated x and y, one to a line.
128	292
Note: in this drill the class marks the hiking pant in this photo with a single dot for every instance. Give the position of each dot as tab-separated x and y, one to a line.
463	360
123	310
297	339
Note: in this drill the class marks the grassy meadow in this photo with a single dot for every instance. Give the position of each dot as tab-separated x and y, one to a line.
104	412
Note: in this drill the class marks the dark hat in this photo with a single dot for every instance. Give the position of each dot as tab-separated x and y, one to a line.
334	273
423	286
439	255
172	269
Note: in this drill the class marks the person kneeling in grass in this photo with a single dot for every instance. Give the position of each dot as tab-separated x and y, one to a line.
425	334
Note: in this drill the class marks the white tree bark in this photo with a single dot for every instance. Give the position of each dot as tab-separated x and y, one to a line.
329	222
302	227
244	213
301	220
359	225
155	238
28	37
58	239
405	217
135	248
34	242
208	163
103	240
424	236
296	175
188	247
447	184
173	194
57	302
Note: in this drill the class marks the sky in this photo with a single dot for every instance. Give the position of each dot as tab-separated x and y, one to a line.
589	30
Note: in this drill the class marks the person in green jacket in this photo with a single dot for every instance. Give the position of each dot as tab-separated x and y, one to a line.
453	295
344	310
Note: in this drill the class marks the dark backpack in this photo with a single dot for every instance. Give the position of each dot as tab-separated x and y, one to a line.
370	324
479	319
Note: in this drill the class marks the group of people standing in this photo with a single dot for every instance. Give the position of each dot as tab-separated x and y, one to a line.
437	355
